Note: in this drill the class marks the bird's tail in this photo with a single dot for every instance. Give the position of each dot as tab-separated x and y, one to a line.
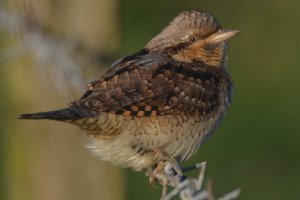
71	113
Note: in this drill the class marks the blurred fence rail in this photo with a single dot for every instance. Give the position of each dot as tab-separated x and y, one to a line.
46	160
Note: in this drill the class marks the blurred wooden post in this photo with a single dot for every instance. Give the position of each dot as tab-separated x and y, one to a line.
47	160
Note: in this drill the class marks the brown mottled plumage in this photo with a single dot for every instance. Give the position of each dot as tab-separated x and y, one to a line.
160	102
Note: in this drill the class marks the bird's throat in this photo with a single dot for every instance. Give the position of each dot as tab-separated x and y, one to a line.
214	57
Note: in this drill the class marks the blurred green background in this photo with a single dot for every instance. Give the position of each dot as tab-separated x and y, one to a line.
256	148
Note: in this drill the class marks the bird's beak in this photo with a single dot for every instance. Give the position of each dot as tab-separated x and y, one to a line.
222	35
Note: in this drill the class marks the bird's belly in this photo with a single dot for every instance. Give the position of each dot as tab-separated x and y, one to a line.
142	141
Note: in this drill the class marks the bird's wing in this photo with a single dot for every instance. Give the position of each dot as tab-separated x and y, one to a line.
150	85
120	62
127	83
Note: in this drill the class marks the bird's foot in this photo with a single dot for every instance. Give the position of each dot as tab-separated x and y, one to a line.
157	174
166	173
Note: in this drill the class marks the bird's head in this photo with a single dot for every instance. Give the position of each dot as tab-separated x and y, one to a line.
193	37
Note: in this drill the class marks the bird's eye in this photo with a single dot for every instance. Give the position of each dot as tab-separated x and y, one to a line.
192	38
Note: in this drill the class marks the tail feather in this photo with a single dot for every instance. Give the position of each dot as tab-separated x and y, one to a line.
70	113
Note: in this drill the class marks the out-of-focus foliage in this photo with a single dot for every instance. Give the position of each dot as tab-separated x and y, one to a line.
257	146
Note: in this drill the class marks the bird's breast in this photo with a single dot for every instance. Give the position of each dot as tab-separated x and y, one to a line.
135	141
